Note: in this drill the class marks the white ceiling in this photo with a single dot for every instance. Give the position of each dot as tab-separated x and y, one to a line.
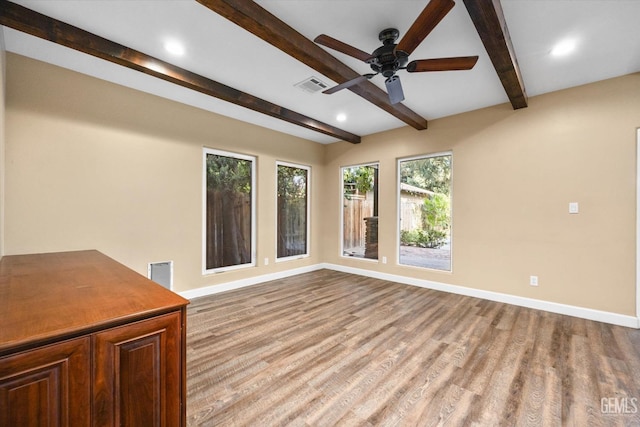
605	31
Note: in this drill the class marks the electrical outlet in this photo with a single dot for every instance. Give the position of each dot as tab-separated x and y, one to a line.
384	259
266	261
574	208
533	280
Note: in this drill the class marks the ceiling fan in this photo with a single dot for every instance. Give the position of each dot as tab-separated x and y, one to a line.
391	57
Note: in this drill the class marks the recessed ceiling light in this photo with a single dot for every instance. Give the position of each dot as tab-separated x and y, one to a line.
341	117
564	47
174	47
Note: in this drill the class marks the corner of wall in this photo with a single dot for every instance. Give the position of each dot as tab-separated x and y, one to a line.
3	72
638	226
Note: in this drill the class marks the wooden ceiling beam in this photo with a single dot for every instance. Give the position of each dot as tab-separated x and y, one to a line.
255	19
490	23
36	24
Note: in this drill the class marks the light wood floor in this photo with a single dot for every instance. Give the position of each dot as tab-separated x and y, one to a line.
328	348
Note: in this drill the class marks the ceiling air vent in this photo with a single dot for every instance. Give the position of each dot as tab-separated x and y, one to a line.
311	85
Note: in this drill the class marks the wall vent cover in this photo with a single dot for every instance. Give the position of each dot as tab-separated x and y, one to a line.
312	85
161	273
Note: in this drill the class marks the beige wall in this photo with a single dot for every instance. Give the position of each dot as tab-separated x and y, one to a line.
94	165
514	174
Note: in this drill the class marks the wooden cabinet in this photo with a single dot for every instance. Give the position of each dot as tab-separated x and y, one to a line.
87	342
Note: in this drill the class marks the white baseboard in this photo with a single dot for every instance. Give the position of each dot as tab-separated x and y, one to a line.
237	284
553	307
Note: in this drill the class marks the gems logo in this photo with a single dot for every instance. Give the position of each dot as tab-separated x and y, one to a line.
619	405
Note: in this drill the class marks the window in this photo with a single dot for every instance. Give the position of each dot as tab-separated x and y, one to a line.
360	211
425	211
292	210
229	204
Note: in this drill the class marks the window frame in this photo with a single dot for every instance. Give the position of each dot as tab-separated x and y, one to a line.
399	208
253	159
308	212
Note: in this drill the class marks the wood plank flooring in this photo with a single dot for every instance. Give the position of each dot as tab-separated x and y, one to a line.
328	348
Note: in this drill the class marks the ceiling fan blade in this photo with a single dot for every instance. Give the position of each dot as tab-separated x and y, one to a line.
394	89
347	84
430	16
442	64
335	44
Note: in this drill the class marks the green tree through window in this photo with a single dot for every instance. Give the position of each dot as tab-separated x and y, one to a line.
360	211
229	210
425	211
292	227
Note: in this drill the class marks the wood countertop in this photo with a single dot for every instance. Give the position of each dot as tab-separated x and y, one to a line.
47	297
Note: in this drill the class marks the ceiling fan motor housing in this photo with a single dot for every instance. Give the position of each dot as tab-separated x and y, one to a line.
386	59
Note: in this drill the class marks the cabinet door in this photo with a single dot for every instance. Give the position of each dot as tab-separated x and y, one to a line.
48	386
138	373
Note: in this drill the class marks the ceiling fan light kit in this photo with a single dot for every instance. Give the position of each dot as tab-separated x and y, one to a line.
394	89
389	58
